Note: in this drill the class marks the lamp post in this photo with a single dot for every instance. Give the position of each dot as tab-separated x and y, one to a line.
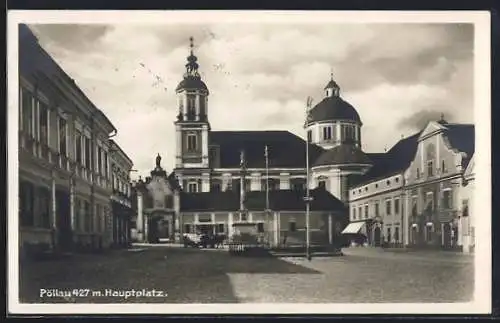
307	198
267	196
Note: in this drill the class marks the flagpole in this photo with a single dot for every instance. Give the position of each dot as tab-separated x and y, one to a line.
267	195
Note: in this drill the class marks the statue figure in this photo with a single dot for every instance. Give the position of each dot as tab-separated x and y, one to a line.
158	160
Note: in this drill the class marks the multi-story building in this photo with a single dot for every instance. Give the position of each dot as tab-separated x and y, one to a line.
64	172
465	205
121	206
433	181
376	202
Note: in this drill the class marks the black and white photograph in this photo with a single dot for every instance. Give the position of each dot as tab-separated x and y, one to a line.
249	162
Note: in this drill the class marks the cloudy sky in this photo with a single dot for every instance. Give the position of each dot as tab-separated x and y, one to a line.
398	76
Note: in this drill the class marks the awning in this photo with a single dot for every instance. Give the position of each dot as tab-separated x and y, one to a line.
353	228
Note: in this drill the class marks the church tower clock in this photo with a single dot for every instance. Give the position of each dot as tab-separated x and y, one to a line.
192	128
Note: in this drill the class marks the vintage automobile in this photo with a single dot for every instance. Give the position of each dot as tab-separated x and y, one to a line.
203	240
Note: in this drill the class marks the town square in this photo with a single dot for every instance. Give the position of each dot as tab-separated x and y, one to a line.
231	162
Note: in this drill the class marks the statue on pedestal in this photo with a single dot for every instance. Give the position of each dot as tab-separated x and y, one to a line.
158	160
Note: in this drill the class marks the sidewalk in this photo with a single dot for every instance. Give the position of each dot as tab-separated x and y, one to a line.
409	254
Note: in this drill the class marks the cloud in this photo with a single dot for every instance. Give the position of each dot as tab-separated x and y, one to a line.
72	37
259	76
419	119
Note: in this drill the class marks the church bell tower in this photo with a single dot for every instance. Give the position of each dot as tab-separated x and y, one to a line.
192	124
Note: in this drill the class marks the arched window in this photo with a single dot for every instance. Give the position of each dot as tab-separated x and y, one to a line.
322	182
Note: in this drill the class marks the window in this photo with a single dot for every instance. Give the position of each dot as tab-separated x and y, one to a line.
366	211
191	142
443	167
106	164
260	227
396	234
322	184
243	216
430	166
360	212
220	228
397	179
87	216
388	208
26	204
87	150
202	106
62	136
414	208
43	112
309	136
215	186
396	206
429	201
465	208
248	184
418	173
292	226
299	184
27	111
354	213
388	237
377	209
44	199
191	107
100	168
274	184
430	156
447	199
187	228
193	187
78	147
388	183
327	133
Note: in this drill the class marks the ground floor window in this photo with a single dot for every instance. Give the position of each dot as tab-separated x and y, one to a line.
220	228
388	235
396	234
292	226
187	228
260	227
26	204
44	198
428	233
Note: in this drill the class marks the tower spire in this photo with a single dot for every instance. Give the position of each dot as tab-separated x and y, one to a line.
192	66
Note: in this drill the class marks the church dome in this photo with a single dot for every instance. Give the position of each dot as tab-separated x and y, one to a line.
332	107
192	83
341	155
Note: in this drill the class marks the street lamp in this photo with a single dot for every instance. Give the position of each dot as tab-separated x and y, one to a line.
307	198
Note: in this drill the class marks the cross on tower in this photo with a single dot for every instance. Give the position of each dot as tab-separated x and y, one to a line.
331	72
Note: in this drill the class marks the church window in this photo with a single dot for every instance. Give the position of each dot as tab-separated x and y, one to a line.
327	133
191	106
192	142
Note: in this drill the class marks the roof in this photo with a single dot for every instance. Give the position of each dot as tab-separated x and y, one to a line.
396	159
333	108
280	200
121	152
342	154
192	83
33	58
462	138
286	150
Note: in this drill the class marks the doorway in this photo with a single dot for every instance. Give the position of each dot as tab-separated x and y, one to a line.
64	234
377	236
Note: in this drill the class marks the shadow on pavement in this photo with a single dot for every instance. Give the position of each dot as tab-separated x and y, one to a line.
193	276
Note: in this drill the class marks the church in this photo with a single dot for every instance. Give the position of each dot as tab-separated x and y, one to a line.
226	177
